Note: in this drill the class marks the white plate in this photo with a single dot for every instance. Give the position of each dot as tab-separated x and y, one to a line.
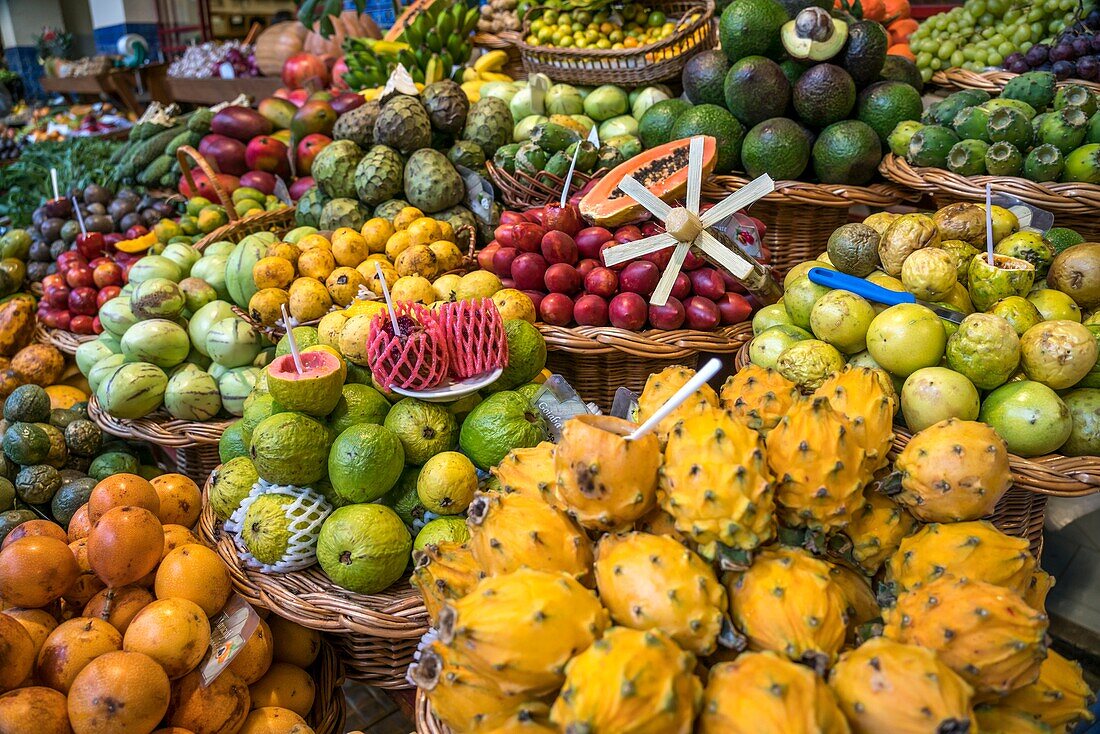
454	390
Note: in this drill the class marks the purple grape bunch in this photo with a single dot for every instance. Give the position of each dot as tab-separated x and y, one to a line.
1073	53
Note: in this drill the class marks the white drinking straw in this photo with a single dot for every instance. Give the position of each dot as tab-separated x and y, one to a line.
989	222
386	295
707	371
294	353
53	177
79	216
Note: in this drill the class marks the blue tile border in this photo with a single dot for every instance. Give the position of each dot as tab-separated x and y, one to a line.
23	60
106	38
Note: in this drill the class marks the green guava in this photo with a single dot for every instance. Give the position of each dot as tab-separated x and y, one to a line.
500	423
290	448
799	299
765	347
230	483
365	462
842	319
1084	438
809	362
985	349
905	338
358	404
404	500
526	355
452	529
1058	353
364	548
424	429
1029	416
266	529
933	394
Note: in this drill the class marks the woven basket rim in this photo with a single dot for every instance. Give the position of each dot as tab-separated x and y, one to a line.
312	600
1053	475
1060	198
330	709
239	229
523	190
993	80
158	427
652	344
64	341
426	722
880	194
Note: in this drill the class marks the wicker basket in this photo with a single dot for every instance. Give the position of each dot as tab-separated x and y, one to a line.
330	709
1074	205
65	342
801	216
194	444
426	723
521	190
1020	511
598	360
628	67
990	81
375	635
504	41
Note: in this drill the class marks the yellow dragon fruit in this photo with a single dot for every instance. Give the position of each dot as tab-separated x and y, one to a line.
876	530
819	465
604	481
443	573
758	397
762	693
1059	697
510	531
531	719
997	719
463	699
985	633
974	550
885	687
659	522
951	472
1037	589
660	387
519	630
527	470
651	581
861	606
859	393
787	601
716	484
629	682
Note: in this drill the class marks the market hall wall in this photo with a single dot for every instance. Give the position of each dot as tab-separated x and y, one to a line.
20	22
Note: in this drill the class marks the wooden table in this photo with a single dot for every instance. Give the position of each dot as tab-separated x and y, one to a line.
117	84
212	91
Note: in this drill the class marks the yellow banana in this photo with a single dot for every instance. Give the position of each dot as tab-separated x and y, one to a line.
472	90
470	75
492	76
492	61
389	48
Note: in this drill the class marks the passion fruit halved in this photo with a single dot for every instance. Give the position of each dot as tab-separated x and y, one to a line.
814	35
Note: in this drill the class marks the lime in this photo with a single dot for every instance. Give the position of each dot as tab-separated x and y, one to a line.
442	529
447	483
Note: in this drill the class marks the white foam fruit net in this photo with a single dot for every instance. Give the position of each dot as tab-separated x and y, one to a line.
305	515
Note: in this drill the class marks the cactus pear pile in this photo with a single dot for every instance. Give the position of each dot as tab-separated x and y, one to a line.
756	564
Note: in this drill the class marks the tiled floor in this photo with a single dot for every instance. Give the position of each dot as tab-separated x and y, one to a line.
371	711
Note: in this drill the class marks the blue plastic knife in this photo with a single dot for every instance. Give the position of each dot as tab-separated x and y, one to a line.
878	294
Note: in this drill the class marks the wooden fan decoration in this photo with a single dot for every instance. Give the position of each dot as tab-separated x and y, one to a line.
686	228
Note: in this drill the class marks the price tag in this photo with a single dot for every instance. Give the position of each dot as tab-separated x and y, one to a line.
229	631
558	402
479	194
400	81
625	405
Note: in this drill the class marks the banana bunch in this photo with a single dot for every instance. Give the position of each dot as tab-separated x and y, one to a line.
437	40
486	68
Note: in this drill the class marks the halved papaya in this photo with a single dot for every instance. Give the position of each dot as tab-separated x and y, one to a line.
663	170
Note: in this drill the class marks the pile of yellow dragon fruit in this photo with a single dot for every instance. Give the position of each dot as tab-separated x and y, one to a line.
755	566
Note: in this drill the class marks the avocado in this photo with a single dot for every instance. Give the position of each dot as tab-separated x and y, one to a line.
847	152
944	111
793	70
709	119
898	140
1010	126
1044	163
1003	159
930	146
704	77
814	35
967	157
884	104
756	90
1036	88
779	147
794	7
972	123
655	127
865	52
751	28
824	94
900	69
1075	95
1064	129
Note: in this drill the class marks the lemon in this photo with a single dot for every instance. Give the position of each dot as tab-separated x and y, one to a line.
447	483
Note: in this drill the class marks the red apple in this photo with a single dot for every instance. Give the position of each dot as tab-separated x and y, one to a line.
342	103
56	296
308	148
54	280
628	311
510	217
556	309
590	310
300	187
107	274
693	261
681	287
485	256
265	153
90	244
301	70
529	271
585	266
640	276
83	301
68	259
502	261
565	219
707	282
82	324
733	308
589	240
106	294
559	247
79	276
669	316
562	278
536	297
602	282
702	313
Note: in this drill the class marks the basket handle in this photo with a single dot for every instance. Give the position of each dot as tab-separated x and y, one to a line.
211	171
